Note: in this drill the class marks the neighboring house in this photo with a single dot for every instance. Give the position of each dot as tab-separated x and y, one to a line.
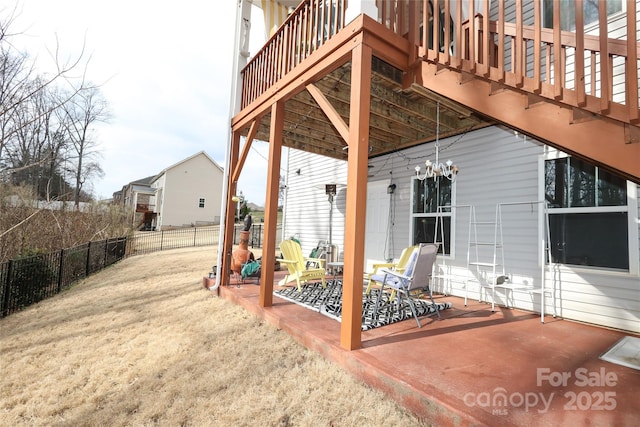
364	101
137	199
188	193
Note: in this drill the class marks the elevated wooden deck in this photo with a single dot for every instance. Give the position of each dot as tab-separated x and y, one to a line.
553	85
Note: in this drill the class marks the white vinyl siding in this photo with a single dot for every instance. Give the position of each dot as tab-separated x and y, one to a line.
496	166
306	206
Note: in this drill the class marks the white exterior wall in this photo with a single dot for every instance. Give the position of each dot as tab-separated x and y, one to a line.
495	167
306	207
180	188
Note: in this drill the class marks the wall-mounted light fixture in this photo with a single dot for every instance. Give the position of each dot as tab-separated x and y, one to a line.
239	199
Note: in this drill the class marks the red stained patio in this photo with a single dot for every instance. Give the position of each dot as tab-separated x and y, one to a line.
475	367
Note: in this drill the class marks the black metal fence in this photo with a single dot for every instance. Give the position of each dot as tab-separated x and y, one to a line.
26	281
151	241
143	242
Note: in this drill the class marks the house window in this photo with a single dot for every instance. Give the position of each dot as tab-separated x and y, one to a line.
427	196
568	12
588	214
201	203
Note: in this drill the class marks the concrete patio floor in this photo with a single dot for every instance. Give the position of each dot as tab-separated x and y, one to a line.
475	367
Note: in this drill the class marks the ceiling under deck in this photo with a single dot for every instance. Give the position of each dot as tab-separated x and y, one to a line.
399	118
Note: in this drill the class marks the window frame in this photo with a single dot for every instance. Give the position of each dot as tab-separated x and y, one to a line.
447	211
201	202
631	210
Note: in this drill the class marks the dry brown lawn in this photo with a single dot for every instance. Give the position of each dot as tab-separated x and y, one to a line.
142	343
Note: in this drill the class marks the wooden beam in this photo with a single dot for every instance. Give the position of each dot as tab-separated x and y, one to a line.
357	168
579	83
578	115
632	64
537	49
501	42
518	48
331	113
487	41
599	141
557	51
245	150
605	78
271	204
631	134
446	56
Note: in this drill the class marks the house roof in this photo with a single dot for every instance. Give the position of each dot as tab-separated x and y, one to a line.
143	181
156	177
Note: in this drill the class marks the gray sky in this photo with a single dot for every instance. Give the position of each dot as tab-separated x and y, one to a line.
165	69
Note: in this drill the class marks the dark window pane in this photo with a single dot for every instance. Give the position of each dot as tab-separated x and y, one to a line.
424	229
593	239
582	179
444	192
419	196
612	190
429	194
555	182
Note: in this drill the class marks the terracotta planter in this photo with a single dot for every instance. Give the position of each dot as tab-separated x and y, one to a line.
242	254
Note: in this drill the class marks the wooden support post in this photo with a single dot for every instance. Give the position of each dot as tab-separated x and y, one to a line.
351	326
271	204
631	66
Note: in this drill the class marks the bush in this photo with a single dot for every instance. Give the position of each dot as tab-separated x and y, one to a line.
25	228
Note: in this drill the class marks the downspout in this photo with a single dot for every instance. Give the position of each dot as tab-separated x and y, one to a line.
240	54
284	197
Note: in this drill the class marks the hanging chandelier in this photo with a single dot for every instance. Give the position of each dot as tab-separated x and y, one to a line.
436	169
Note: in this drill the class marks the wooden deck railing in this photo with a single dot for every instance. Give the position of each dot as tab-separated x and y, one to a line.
511	48
310	26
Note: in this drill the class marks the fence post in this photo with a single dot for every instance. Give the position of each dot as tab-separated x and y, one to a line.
60	270
106	252
7	290
86	267
194	236
161	238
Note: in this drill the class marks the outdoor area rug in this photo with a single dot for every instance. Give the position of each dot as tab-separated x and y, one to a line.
328	301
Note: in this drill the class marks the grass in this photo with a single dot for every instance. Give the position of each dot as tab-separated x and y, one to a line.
142	343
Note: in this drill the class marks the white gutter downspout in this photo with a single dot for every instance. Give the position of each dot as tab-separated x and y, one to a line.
284	198
240	54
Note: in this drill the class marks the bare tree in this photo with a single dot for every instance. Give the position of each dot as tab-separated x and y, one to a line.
78	117
36	120
24	97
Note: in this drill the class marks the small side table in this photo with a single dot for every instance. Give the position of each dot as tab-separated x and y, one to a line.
335	266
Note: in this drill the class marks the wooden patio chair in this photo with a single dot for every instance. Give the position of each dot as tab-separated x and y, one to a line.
297	265
417	275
